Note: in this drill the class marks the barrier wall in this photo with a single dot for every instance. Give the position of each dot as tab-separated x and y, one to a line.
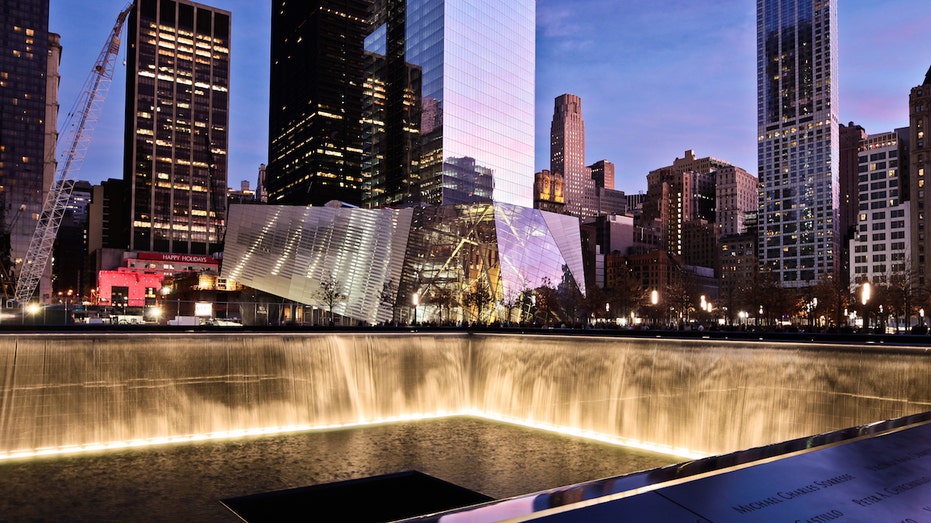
707	396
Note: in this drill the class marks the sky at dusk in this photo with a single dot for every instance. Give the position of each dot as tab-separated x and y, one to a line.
656	77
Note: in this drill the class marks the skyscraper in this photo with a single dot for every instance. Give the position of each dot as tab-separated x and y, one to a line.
681	193
315	116
177	115
849	136
798	145
567	152
27	126
919	169
880	248
472	62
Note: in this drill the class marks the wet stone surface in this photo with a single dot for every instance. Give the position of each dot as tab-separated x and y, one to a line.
186	482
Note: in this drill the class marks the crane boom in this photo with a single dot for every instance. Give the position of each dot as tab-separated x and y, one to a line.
75	136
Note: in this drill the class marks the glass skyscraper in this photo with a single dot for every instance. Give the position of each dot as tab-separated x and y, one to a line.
27	127
315	117
473	62
798	146
177	116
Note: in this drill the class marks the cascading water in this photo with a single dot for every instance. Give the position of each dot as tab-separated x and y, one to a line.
76	391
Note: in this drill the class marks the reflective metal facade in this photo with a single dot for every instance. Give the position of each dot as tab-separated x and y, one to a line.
449	263
475	63
798	145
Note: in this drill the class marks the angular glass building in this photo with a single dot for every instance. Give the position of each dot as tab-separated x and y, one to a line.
457	76
798	145
448	263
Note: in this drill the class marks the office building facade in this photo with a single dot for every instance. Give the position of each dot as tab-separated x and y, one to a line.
798	146
315	101
567	153
850	136
28	70
681	193
473	62
177	116
919	169
880	250
736	199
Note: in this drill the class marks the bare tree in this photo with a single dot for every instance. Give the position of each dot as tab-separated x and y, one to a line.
331	293
388	297
443	298
511	301
479	297
546	301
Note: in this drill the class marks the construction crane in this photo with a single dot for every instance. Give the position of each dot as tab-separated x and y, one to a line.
75	135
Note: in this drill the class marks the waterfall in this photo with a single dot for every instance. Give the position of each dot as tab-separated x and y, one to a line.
63	392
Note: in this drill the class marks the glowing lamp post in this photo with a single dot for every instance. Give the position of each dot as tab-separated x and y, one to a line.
654	300
865	292
415	300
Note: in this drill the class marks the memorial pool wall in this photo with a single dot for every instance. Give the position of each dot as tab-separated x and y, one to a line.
694	397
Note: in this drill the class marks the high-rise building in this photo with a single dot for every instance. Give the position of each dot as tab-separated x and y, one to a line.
70	251
850	137
680	193
392	115
28	68
736	199
567	152
602	172
880	249
315	116
919	103
473	64
797	144
548	192
177	115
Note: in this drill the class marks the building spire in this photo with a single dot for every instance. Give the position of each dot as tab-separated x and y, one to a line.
927	77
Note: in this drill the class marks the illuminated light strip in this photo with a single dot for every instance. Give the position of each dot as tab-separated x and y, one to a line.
287	429
211	436
594	436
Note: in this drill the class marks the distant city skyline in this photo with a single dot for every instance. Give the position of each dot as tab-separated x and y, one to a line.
655	80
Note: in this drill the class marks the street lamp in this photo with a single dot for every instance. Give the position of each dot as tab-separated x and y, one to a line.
865	292
416	301
654	299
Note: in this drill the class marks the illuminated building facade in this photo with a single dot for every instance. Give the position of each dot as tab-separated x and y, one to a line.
473	62
681	193
177	115
880	250
919	168
548	192
29	57
391	122
798	146
315	116
449	263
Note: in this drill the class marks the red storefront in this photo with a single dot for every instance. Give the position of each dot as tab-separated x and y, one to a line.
139	281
